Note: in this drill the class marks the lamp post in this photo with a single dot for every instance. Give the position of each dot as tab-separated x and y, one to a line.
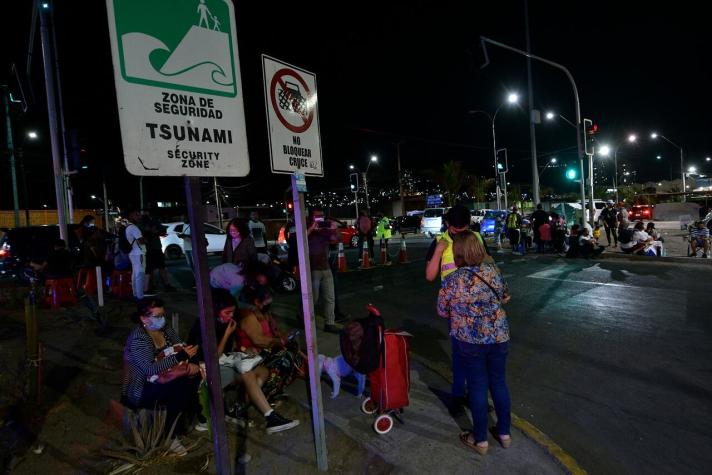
605	151
654	136
548	164
512	98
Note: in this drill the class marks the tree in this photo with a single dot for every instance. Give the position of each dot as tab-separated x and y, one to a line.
478	186
452	179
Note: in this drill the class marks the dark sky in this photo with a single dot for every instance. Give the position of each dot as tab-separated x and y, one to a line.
410	69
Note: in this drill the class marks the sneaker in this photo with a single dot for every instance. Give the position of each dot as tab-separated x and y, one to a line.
331	328
177	448
277	423
201	426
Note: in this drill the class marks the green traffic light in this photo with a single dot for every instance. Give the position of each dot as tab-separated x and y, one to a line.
571	174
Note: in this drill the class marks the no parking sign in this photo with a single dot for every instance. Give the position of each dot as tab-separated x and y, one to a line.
292	118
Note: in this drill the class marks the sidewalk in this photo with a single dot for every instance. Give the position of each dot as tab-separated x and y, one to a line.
80	414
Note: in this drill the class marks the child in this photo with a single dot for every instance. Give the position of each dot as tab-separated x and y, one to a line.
596	234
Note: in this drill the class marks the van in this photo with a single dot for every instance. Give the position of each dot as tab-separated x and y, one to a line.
433	221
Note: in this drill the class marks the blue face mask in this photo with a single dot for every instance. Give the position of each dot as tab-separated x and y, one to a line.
156	323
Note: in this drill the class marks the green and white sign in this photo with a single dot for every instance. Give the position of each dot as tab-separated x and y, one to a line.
178	87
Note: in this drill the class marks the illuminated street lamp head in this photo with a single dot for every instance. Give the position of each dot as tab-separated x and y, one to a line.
632	138
351	167
32	135
691	170
654	135
659	157
604	150
550	115
93	197
553	159
708	159
513	98
374	158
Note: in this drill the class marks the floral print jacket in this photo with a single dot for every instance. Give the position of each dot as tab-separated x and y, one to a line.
475	312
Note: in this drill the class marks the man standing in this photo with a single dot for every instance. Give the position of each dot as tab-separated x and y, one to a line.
514	224
383	232
609	216
136	254
539	217
152	230
365	231
322	234
258	232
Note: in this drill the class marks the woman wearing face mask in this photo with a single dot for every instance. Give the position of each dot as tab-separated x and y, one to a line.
239	245
225	331
158	372
258	330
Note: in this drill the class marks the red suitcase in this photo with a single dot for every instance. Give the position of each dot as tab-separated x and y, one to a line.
390	383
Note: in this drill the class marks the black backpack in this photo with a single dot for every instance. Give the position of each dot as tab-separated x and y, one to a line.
124	244
362	342
625	236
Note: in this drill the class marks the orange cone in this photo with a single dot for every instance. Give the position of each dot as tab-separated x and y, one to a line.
403	255
341	260
365	263
384	254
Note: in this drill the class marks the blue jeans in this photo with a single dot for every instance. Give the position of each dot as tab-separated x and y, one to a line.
459	375
485	366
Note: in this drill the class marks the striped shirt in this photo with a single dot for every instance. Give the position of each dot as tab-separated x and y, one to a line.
140	361
698	233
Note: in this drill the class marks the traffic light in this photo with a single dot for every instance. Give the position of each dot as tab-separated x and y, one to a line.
353	179
571	173
590	130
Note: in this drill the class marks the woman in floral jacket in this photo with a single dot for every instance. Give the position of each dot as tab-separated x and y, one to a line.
473	298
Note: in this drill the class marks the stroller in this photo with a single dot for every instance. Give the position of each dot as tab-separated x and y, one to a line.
383	355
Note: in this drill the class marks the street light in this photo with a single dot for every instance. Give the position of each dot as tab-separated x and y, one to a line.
605	151
655	135
549	115
549	163
553	115
707	159
692	169
32	135
632	138
512	98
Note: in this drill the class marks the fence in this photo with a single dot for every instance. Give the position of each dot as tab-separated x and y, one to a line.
39	217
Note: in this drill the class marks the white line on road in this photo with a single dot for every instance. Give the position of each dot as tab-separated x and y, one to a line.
610	284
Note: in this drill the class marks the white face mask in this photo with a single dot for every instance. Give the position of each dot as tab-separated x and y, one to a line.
155	323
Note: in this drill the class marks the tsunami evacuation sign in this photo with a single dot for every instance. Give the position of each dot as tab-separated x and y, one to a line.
292	118
178	87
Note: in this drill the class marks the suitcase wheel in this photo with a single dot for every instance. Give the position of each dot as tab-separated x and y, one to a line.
383	424
368	406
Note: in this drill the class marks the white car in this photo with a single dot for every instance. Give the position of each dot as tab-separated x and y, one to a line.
478	215
173	245
433	221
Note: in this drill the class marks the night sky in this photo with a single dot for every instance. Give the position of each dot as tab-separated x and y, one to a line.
386	71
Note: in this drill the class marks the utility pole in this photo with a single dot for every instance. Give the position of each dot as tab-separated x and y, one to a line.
365	187
218	208
60	103
11	152
400	181
106	204
497	176
532	128
52	119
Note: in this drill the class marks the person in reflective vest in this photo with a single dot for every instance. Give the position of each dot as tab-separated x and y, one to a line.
383	231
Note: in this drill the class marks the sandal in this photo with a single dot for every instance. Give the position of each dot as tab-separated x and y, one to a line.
505	443
464	438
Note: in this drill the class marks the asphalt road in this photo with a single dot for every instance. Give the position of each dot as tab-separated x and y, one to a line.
612	359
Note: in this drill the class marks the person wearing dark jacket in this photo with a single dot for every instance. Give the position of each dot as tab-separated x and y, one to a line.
239	245
538	218
609	216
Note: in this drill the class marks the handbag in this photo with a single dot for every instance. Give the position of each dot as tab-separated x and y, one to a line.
240	361
174	372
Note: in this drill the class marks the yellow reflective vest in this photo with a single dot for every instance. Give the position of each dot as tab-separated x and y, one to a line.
447	261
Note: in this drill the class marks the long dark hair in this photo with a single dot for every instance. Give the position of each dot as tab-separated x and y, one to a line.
222	299
241	226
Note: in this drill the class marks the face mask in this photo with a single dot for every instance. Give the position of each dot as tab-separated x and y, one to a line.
156	323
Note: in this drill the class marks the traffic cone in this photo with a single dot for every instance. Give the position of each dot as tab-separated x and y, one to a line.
384	254
341	260
403	255
365	262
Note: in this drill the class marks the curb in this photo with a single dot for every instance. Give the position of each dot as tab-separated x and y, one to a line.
566	461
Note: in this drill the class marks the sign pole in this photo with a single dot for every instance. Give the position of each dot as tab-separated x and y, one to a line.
207	324
309	328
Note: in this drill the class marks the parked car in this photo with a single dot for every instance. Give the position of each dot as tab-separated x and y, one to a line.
173	245
640	212
408	224
478	215
20	245
349	234
487	224
433	220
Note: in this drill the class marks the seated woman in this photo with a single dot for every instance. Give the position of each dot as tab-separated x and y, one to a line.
258	330
157	370
224	308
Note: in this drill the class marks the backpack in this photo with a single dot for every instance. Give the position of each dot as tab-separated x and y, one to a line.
124	244
361	342
513	221
625	236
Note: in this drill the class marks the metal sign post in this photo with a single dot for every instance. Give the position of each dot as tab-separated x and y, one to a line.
207	323
309	327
